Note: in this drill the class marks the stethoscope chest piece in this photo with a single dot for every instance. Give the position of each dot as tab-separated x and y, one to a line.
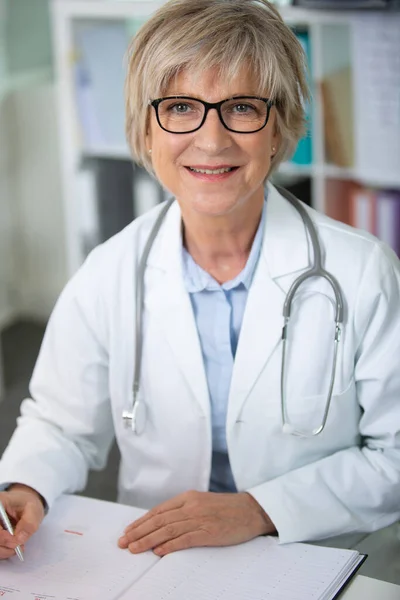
136	418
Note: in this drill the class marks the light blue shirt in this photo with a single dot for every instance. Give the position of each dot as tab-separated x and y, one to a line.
218	311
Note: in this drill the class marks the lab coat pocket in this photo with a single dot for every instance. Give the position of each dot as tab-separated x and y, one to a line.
307	414
309	354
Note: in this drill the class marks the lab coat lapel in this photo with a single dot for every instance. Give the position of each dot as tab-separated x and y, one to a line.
283	256
170	303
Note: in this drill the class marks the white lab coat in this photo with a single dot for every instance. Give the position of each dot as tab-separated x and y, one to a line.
343	481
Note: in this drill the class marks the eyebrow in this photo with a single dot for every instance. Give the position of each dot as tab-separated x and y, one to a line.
189	95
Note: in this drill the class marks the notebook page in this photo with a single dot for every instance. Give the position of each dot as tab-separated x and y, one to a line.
74	555
257	570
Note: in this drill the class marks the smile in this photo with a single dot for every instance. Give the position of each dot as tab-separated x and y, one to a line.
212	171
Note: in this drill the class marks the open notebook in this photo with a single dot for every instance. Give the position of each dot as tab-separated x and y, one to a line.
74	556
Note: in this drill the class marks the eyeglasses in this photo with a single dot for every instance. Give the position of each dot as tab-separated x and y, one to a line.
182	114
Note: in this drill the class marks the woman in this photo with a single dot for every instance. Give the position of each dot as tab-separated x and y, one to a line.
214	99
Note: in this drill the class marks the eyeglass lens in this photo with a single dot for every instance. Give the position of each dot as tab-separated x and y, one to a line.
179	115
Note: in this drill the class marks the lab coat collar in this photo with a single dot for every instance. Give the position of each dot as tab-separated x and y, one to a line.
284	249
284	253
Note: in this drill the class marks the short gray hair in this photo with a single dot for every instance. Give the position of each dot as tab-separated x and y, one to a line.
225	34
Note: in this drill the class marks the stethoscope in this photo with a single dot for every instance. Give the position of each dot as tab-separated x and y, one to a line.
135	416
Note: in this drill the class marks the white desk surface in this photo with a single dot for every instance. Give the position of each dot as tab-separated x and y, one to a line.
365	588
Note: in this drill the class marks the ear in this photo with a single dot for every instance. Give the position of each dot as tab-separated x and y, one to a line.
276	137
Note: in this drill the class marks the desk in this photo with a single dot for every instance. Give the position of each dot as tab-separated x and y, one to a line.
365	588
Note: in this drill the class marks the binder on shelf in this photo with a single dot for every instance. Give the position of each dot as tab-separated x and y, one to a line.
337	201
114	182
363	209
375	211
388	218
303	153
337	109
73	556
99	82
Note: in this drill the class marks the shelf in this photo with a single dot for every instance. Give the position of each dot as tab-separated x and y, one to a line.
89	9
121	9
289	169
111	152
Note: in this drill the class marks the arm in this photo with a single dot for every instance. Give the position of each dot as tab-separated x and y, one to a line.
356	489
66	427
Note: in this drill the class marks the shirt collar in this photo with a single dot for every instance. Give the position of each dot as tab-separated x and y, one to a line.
197	280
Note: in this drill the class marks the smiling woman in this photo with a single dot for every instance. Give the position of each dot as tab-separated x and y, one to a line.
237	425
229	39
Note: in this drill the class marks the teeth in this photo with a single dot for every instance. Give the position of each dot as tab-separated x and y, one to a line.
211	171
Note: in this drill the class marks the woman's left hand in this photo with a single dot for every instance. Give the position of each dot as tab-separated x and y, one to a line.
197	519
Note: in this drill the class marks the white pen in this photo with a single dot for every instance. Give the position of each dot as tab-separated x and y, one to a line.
6	522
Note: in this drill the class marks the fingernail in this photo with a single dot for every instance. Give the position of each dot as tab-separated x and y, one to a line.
122	540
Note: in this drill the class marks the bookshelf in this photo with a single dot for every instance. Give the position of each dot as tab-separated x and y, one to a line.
331	53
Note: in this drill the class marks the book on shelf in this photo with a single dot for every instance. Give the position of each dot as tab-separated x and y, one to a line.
303	153
75	555
337	109
373	210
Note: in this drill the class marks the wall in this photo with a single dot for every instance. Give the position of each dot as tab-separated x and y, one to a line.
7	219
32	261
40	246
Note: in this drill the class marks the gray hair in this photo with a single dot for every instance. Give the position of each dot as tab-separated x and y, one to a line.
222	34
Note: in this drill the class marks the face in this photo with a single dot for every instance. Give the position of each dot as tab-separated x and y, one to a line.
176	157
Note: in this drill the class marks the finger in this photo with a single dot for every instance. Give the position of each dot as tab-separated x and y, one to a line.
6	553
153	524
172	504
29	522
191	539
7	540
161	536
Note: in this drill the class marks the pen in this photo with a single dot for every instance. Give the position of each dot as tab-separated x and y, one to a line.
6	522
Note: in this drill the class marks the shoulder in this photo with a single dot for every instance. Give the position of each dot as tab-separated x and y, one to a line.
126	243
352	246
107	264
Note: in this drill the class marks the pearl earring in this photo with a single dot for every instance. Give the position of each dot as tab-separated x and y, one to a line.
149	150
273	149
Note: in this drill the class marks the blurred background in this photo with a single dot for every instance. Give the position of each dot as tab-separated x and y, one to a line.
67	182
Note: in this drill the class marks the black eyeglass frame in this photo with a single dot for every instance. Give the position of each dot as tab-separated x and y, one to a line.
209	105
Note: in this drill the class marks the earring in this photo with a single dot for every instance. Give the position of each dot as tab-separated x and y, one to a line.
273	149
149	150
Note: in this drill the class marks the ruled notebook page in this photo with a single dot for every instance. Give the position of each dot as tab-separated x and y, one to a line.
74	555
257	570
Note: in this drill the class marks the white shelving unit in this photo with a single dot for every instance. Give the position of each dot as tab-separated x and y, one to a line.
67	13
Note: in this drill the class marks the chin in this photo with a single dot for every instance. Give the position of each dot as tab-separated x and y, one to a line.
213	207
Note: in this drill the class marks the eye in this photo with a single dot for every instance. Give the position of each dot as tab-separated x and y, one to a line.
180	108
243	109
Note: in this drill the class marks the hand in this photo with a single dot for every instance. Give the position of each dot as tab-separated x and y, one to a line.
26	511
197	519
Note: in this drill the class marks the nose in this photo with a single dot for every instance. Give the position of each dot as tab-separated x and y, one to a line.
212	137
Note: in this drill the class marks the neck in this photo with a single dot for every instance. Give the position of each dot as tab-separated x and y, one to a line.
221	244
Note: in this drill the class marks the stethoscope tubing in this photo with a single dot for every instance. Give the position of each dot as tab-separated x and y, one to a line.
130	416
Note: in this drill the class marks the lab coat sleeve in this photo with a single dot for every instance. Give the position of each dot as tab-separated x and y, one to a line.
65	428
356	489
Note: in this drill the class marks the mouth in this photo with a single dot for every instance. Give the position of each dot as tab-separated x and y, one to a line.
212	171
209	173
